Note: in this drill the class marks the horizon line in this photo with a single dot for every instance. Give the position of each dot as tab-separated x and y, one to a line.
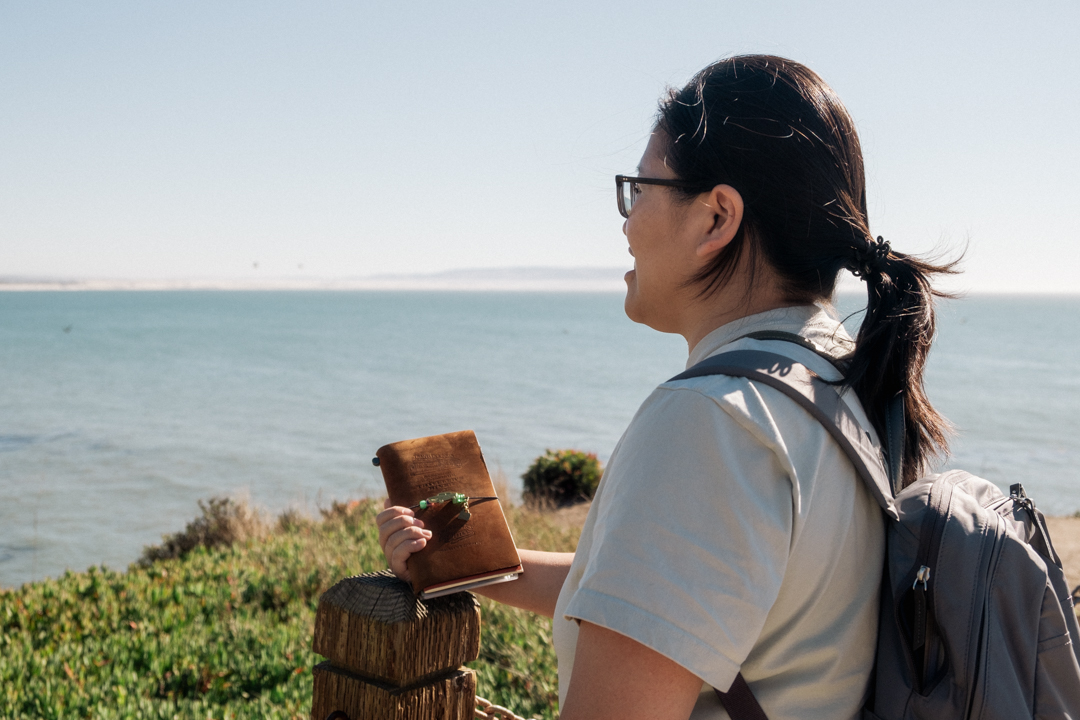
522	278
474	279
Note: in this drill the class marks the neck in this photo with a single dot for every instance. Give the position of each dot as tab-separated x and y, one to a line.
732	301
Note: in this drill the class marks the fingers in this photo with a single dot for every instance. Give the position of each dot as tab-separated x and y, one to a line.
400	535
394	519
398	554
391	512
401	545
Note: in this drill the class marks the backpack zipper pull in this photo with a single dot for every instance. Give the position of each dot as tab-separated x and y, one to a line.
919	621
1018	496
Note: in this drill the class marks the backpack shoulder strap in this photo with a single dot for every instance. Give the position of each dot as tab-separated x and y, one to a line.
739	701
818	398
894	412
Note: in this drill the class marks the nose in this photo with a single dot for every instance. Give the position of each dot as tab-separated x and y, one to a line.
624	226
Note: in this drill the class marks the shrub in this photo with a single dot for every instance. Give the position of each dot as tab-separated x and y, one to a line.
562	478
223	521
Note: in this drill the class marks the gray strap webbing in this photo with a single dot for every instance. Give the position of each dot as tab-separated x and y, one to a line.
894	411
818	398
739	701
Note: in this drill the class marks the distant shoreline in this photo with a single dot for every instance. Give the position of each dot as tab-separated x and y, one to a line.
544	279
387	286
150	286
522	279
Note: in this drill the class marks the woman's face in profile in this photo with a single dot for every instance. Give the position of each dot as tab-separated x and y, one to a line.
663	249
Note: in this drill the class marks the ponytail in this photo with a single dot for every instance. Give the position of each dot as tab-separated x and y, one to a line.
892	346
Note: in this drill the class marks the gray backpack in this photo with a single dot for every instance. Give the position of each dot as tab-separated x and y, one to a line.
976	616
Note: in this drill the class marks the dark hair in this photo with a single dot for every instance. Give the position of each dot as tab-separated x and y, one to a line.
773	130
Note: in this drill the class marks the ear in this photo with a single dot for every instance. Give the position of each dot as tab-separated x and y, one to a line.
724	208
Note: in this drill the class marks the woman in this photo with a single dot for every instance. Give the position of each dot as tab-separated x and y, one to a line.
730	534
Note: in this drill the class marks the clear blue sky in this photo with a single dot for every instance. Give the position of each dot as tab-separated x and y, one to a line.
193	139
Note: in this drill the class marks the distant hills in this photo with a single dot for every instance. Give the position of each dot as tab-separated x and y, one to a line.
536	279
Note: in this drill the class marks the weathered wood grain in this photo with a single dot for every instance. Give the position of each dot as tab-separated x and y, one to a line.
392	656
451	697
374	626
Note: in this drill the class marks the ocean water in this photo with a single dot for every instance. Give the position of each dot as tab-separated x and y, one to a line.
119	410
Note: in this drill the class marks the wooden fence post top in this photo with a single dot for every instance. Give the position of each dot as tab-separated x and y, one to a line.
373	626
383	598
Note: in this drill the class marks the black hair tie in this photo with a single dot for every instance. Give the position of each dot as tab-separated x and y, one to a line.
870	259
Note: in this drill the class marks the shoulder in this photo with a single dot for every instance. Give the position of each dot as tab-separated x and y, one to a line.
707	437
823	348
715	402
747	431
688	537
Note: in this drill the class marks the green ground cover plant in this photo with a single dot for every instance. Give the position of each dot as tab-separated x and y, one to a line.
222	628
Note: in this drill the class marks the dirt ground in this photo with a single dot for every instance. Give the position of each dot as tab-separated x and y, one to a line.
571	517
1065	533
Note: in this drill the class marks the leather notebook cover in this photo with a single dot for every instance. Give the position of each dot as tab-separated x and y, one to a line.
481	546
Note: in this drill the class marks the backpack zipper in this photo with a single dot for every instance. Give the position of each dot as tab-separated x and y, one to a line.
938	501
922	578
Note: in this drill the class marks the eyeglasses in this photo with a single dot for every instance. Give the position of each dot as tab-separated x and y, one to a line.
627	187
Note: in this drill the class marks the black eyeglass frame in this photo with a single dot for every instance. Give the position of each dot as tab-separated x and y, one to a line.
620	179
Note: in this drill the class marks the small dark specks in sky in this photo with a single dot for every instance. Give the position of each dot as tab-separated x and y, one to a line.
67	329
254	266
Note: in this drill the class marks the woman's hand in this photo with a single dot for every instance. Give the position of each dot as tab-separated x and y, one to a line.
401	534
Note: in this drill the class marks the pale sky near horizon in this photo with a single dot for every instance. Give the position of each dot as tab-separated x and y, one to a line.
196	139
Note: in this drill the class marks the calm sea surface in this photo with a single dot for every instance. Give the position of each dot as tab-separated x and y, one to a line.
119	410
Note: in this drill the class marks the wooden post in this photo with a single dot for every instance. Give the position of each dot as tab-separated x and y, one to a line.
393	656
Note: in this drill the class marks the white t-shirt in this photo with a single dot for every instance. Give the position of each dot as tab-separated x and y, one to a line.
731	533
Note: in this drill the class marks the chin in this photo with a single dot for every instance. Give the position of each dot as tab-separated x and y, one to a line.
632	306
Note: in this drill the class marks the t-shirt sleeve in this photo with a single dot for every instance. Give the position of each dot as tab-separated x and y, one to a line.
693	531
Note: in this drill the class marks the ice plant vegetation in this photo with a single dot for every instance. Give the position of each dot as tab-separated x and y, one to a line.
222	628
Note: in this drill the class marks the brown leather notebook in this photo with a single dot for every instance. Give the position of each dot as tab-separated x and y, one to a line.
471	543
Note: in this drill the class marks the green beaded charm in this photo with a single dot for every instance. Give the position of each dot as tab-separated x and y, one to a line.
451	497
